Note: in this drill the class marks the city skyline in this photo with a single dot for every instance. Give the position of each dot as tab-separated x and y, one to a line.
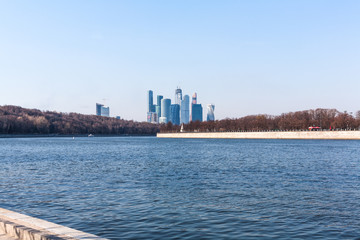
247	57
179	111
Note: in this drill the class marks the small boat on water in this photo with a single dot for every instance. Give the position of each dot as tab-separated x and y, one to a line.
90	135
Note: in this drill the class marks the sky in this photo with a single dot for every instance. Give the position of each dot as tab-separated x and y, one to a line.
245	57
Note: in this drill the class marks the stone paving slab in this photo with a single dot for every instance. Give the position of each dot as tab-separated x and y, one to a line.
23	227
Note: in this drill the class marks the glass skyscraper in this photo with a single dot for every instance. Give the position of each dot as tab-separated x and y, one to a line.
150	101
178	96
165	110
158	100
158	105
152	117
151	106
101	110
184	110
105	111
98	109
175	114
210	112
196	112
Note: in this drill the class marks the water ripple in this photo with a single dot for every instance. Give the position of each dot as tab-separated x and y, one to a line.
148	188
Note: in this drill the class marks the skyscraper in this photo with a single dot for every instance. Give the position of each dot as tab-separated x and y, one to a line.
165	110
152	117
98	109
175	114
151	107
101	110
196	109
158	106
158	110
105	111
194	99
210	112
178	95
196	112
184	110
158	98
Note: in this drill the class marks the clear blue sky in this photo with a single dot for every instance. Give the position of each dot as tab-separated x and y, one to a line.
246	57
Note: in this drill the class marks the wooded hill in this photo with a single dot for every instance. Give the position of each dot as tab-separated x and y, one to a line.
18	120
301	120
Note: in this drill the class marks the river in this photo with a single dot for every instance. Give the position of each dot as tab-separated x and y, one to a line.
150	188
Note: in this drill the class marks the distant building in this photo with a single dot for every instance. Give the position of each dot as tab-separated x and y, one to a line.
151	107
165	110
181	112
158	105
210	112
98	109
105	111
175	114
184	110
196	112
194	99
150	101
101	110
158	98
163	120
178	96
158	110
152	117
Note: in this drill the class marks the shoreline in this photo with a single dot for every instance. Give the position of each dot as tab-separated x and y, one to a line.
23	227
70	135
321	135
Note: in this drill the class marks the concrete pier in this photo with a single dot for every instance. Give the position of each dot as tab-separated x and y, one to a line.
340	135
16	226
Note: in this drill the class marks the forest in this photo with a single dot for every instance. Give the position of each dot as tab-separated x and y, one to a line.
325	119
18	120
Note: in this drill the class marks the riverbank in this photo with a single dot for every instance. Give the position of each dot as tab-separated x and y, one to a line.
340	135
70	135
14	225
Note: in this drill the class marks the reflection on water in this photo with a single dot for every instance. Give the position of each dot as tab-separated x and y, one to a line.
148	188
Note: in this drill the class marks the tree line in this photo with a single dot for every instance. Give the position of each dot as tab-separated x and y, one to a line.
18	120
330	119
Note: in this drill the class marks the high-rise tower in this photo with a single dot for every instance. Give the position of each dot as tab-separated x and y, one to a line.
175	114
165	110
151	107
196	112
158	99
158	105
178	95
98	109
105	111
196	109
194	99
210	112
184	110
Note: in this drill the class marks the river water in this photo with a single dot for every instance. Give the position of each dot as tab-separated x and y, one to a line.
149	188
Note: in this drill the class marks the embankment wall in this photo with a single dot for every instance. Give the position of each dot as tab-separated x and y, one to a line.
341	135
14	225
